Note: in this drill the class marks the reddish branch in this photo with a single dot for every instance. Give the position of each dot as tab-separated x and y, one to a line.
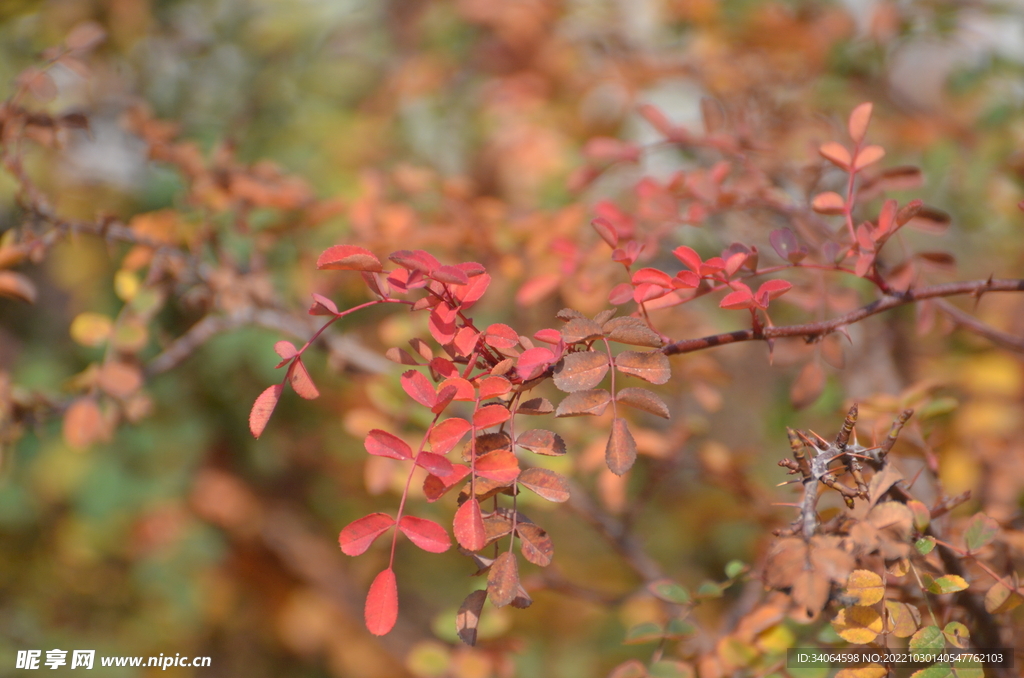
815	330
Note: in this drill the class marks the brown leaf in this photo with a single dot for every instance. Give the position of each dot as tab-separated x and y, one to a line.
83	423
580	329
120	379
535	544
650	366
642	399
584	402
808	385
579	371
522	599
535	406
17	286
786	560
620	453
468	617
633	331
547	484
498	524
503	580
810	590
539	441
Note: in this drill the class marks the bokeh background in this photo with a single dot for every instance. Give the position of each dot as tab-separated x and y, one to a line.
458	127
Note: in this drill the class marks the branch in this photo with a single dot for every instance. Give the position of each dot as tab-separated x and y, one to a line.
1006	340
345	347
819	329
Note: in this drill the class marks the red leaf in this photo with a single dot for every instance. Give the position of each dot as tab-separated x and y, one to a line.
534	361
500	465
434	463
445	395
447	434
621	294
490	415
501	336
689	257
426	534
419	388
359	534
300	380
442	324
469	526
652	276
415	260
647	292
607	232
443	367
887	218
263	408
451	275
382	444
348	258
381	610
322	306
836	154
471	293
465	341
740	298
548	336
285	349
772	289
434	487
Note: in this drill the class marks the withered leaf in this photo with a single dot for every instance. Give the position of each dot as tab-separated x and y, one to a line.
487	442
570	314
579	371
650	366
810	590
540	441
633	331
580	329
468	618
786	560
591	402
535	406
498	524
535	544
642	399
620	453
522	599
503	580
547	484
486	488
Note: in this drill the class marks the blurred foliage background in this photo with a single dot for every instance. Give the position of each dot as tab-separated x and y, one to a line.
457	127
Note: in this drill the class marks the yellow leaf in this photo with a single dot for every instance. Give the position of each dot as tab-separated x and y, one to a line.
858	624
869	671
91	329
866	586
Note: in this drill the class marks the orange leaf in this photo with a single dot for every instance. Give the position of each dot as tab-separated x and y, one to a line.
828	203
836	154
867	156
859	119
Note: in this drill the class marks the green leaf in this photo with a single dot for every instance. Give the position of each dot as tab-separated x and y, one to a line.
647	632
927	640
709	589
924	545
950	583
956	634
735	568
669	591
678	628
981	530
937	671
